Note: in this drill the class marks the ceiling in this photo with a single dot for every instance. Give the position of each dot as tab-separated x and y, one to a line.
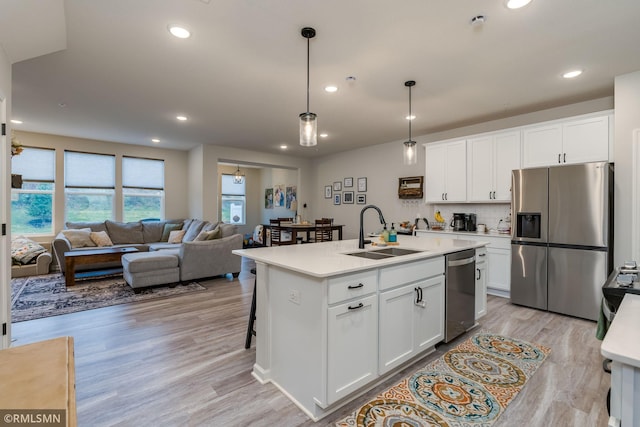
109	70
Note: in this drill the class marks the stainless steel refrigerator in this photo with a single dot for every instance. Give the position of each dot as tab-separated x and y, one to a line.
562	237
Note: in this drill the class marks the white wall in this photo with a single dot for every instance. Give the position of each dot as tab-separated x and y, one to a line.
627	119
382	165
5	196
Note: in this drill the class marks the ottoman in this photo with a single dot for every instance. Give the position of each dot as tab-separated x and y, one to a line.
142	269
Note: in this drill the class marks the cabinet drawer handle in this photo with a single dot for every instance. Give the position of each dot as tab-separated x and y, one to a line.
359	285
356	307
482	254
478	270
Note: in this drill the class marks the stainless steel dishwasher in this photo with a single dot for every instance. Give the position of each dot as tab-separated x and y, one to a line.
460	293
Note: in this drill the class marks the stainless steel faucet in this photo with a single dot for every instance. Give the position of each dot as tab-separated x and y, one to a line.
382	221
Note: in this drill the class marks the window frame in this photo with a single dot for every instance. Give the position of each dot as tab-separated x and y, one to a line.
225	197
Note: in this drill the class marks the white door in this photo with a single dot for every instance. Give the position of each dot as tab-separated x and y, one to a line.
481	282
396	327
542	146
434	173
352	346
506	149
428	315
5	203
481	170
586	140
456	172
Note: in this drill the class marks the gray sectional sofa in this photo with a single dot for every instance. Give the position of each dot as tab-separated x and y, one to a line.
196	258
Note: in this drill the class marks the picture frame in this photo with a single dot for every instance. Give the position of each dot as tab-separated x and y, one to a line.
361	199
348	182
347	197
336	199
327	191
337	186
362	184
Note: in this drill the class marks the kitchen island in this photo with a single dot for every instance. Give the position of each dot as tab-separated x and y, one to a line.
331	325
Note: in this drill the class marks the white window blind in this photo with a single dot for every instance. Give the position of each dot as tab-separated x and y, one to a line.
35	164
85	170
142	173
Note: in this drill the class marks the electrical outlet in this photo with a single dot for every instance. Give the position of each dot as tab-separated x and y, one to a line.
294	296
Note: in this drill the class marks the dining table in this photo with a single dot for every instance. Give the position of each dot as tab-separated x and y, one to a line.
304	228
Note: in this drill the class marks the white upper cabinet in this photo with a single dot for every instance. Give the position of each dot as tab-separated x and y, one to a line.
566	142
446	171
490	162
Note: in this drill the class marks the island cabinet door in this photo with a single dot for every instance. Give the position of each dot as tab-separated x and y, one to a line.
352	346
411	320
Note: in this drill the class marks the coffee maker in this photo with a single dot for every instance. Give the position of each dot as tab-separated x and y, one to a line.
458	222
470	222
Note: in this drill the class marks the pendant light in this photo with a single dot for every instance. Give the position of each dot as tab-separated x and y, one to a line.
238	178
409	156
308	122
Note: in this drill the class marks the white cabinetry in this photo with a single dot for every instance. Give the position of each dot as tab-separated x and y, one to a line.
446	179
411	320
491	159
577	140
352	343
481	282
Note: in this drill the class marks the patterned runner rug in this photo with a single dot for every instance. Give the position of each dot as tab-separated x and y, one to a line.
44	296
470	385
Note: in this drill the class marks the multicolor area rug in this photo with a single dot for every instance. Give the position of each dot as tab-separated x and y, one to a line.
44	296
470	385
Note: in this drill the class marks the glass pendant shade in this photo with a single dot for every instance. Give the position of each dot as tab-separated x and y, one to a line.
409	155
308	129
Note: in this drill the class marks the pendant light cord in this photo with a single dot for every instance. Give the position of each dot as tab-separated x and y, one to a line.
410	117
308	40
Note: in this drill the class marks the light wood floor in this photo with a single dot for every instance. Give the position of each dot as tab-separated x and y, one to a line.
181	362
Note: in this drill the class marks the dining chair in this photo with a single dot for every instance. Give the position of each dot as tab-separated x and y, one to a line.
323	231
279	235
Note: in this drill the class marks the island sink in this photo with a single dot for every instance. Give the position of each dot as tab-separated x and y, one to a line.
385	253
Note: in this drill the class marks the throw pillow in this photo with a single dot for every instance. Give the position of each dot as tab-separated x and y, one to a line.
168	228
79	238
124	232
176	236
100	238
24	251
216	233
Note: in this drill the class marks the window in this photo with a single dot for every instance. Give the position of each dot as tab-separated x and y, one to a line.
89	181
233	200
142	188
32	205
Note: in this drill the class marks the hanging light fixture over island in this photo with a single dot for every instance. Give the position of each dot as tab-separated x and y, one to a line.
308	120
410	145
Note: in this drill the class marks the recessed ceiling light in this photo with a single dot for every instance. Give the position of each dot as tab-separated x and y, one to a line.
517	4
571	74
283	147
179	32
17	122
331	89
411	117
155	140
181	118
324	135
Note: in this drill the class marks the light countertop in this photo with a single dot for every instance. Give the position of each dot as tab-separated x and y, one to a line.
622	341
329	258
471	233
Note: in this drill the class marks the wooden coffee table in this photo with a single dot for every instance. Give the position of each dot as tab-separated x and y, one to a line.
92	256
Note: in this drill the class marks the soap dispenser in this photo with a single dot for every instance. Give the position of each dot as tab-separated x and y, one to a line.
385	233
393	234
